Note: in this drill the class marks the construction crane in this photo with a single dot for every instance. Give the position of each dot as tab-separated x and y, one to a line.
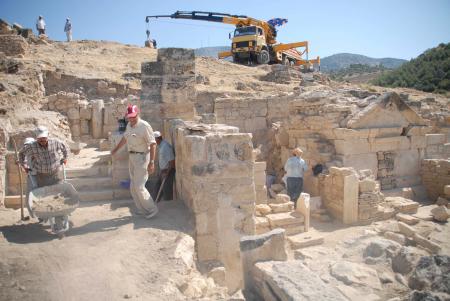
253	41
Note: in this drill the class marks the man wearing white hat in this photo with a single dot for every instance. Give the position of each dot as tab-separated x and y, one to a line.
46	155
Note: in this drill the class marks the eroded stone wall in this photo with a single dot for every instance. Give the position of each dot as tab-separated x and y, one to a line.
13	45
168	86
435	175
215	172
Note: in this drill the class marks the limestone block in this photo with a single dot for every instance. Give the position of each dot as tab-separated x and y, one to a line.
97	118
261	196
260	166
362	161
219	275
427	244
350	199
395	237
263	209
367	185
282	198
406	230
304	208
408	193
440	214
283	207
351	147
418	142
86	113
102	85
175	55
407	219
389	132
260	178
293	279
263	247
207	247
418	130
407	163
447	190
255	124
390	144
433	139
84	127
283	219
73	114
304	240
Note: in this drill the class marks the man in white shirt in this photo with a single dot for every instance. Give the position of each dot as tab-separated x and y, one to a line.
141	148
40	25
166	161
295	168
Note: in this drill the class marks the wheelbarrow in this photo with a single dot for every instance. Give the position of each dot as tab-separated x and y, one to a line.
55	203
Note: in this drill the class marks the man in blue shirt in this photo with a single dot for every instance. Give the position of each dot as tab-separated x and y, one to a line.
166	161
295	168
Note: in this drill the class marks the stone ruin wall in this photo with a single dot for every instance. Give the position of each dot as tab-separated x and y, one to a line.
215	179
168	87
13	45
435	176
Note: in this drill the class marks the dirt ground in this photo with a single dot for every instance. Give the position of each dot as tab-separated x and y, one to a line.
109	254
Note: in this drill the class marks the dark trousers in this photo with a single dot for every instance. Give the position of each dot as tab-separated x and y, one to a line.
294	188
167	191
48	179
41	31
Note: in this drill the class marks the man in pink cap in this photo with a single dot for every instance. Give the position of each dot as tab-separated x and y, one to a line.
141	148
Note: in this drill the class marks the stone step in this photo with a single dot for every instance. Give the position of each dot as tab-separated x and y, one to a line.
304	240
284	219
84	172
90	183
104	195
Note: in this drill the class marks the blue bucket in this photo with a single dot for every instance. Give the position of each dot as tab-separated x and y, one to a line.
125	184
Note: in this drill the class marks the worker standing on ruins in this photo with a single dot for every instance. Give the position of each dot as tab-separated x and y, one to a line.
141	148
295	168
68	30
40	25
46	156
166	161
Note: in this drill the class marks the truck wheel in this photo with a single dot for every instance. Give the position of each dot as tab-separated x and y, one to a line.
263	57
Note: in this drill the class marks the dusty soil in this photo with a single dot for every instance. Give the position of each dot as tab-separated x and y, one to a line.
54	203
109	254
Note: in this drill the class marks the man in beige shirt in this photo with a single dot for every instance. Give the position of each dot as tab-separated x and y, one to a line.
141	148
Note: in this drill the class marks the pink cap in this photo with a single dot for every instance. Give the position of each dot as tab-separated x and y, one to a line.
132	111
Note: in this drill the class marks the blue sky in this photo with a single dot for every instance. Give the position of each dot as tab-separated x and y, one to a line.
376	28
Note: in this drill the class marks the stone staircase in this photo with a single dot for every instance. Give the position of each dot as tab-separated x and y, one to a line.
279	213
90	173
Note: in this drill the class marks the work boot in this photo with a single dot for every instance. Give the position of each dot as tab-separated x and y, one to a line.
152	214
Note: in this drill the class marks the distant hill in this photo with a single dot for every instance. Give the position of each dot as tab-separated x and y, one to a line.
210	51
429	72
344	60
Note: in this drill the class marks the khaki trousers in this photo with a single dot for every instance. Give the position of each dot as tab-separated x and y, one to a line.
138	177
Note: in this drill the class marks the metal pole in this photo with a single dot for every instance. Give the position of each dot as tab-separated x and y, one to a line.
20	179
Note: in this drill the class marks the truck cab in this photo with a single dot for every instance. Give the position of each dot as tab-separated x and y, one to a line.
247	43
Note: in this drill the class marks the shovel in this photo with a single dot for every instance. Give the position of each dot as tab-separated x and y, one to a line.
22	217
157	200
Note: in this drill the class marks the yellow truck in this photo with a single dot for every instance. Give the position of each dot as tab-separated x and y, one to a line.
253	41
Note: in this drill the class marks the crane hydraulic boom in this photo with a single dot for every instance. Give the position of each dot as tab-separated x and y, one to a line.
237	20
254	40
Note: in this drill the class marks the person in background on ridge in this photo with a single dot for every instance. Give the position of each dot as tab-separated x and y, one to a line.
141	149
295	168
166	161
68	30
40	25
